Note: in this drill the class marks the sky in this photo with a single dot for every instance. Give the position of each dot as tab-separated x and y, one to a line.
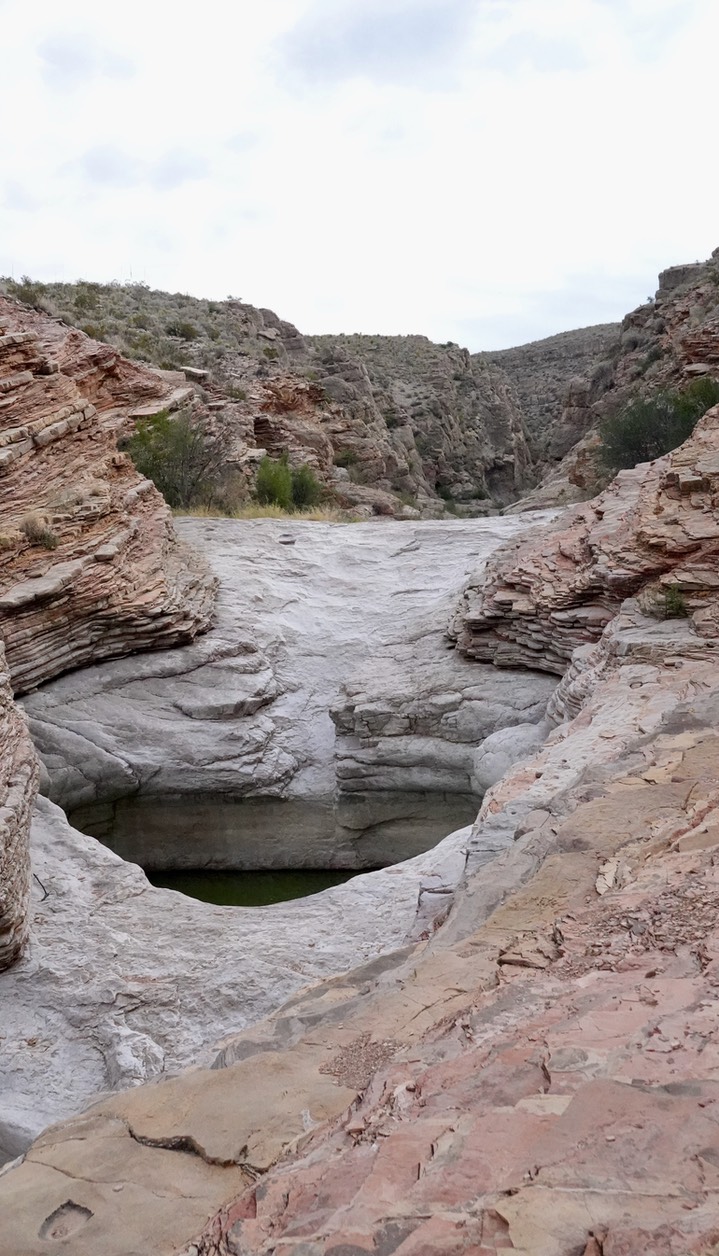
482	171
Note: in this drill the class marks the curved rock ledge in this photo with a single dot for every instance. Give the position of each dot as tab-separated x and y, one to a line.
539	1074
326	680
242	714
89	563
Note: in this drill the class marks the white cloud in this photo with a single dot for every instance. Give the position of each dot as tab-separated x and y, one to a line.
477	170
72	59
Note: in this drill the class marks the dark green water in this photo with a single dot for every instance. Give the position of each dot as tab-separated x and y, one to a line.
249	889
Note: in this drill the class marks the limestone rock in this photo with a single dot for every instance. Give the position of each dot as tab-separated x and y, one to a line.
410	421
543	373
472	1093
346	624
123	982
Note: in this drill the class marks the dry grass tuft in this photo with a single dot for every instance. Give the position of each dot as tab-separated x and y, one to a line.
256	510
38	531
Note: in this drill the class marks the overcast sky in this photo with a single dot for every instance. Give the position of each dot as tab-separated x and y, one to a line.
485	171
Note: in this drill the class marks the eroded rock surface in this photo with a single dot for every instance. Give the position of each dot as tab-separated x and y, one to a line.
653	533
540	1073
18	783
164	741
314	622
670	340
89	563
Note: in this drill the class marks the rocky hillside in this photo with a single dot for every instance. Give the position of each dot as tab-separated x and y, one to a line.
385	421
543	372
664	343
90	566
461	410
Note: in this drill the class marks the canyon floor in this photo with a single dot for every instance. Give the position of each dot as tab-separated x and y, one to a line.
538	1074
223	754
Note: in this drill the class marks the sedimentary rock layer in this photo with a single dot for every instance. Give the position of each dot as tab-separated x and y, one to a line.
18	782
313	619
535	1076
654	533
665	343
89	563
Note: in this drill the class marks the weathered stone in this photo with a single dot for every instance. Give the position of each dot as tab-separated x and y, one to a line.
18	783
65	493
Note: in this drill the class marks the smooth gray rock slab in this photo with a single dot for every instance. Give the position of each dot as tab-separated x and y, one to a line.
347	623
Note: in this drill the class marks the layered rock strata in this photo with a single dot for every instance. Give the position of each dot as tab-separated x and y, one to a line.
18	783
89	563
249	708
223	753
670	340
547	375
390	424
537	1075
653	533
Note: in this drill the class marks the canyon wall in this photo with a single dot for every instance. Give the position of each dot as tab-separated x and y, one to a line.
670	340
90	566
390	424
18	782
653	534
535	1074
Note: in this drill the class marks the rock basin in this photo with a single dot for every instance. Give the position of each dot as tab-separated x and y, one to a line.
326	682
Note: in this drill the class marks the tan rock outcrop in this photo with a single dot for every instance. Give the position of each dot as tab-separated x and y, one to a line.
654	533
18	782
89	564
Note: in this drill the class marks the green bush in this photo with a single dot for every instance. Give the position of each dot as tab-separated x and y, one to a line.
674	606
181	456
306	488
346	458
651	426
279	485
274	483
183	330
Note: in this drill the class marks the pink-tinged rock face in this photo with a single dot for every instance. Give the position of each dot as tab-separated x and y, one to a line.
18	782
89	564
652	535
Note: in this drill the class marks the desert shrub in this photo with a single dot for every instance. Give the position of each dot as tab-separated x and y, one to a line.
306	488
182	329
674	606
29	291
271	353
346	458
181	456
651	426
236	392
274	483
38	531
96	331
